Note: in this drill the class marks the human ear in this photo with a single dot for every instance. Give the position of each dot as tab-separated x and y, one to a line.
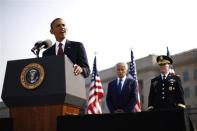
51	30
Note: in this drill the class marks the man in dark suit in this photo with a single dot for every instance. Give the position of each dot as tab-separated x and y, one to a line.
166	90
121	95
74	50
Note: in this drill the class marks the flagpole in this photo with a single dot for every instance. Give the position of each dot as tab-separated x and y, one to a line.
171	66
133	74
95	53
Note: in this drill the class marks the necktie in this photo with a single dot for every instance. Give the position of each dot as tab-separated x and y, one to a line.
119	85
60	50
164	77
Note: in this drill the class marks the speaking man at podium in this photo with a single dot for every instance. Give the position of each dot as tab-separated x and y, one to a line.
74	50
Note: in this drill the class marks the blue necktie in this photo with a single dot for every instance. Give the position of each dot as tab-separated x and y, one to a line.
119	86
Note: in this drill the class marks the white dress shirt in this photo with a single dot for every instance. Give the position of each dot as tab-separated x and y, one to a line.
166	75
122	82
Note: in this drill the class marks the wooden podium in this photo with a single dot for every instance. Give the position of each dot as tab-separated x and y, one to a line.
40	89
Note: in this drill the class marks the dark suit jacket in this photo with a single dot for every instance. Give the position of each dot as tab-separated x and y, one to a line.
126	100
166	94
75	52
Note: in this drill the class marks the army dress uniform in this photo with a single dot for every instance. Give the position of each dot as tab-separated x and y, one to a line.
167	93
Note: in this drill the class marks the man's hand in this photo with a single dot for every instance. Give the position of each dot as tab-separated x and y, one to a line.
77	69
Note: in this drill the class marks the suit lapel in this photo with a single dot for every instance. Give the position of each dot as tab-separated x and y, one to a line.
123	86
115	85
169	75
67	46
160	78
52	50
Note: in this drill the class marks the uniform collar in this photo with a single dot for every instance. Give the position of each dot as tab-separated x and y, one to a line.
166	75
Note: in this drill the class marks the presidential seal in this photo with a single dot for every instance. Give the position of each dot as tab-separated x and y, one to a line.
32	76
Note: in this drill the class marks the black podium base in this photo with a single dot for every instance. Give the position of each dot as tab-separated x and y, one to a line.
6	124
168	120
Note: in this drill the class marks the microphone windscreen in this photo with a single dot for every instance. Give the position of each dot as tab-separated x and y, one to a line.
47	43
38	43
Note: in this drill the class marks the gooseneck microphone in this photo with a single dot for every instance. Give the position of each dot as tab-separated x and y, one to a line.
41	45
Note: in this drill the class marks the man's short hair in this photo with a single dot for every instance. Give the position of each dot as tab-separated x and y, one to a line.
54	21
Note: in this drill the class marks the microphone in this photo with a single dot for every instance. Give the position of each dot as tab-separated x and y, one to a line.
42	44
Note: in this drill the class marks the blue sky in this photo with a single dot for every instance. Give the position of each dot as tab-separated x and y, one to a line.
109	27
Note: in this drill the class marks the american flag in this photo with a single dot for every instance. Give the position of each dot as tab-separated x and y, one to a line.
96	92
171	67
133	74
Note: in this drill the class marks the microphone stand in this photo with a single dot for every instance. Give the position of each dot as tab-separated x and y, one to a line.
37	53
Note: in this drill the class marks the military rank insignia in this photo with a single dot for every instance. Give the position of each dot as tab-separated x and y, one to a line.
171	80
32	76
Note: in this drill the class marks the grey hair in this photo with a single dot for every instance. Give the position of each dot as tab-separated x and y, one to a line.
122	63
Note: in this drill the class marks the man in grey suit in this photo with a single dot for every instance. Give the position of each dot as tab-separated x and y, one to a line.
74	50
121	95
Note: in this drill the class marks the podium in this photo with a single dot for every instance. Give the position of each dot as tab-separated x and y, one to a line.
164	120
6	124
40	89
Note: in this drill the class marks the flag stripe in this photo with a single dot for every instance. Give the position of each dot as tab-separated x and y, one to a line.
96	92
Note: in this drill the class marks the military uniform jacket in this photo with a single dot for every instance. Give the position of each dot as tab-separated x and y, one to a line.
166	94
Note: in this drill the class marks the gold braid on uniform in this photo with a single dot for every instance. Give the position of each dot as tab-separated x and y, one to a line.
181	105
150	107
